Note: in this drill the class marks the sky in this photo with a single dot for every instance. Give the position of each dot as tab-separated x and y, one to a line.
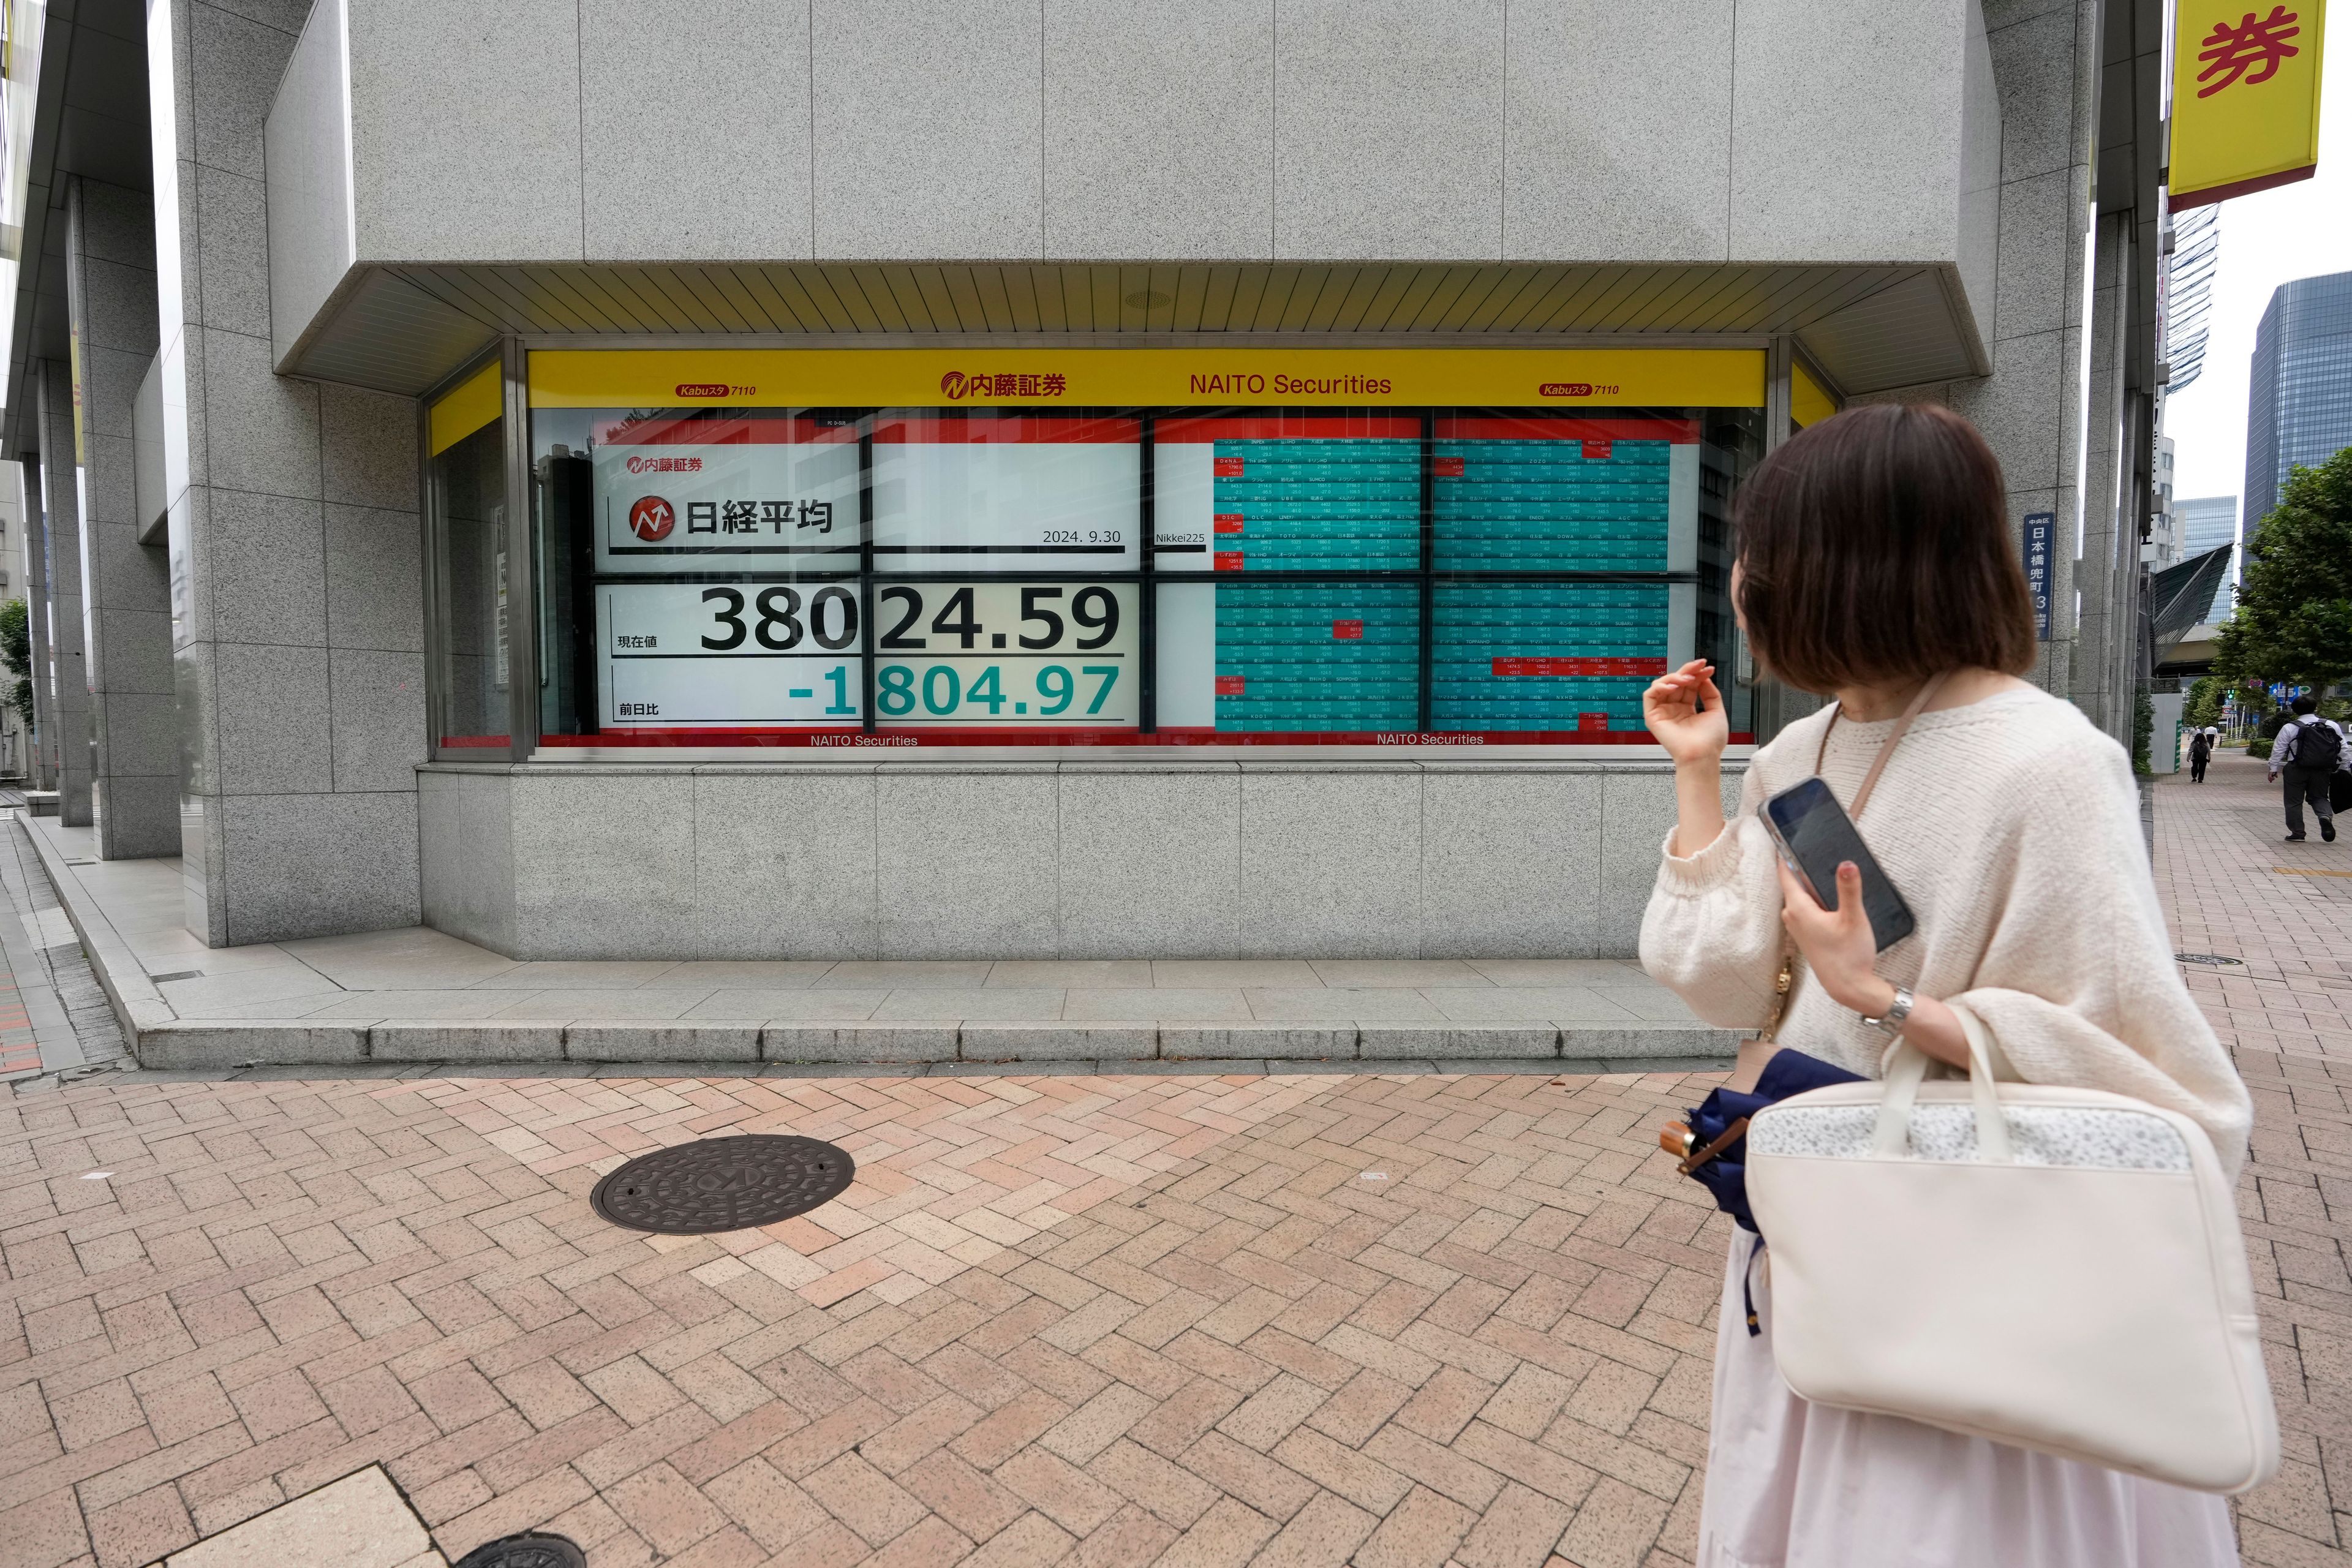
2268	239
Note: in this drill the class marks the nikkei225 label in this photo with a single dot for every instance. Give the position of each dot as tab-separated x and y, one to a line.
998	654
729	655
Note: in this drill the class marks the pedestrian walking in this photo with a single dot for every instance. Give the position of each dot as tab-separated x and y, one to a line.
2201	751
2308	753
1874	564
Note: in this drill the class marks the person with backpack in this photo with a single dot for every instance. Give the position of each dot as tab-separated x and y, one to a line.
2309	751
2201	751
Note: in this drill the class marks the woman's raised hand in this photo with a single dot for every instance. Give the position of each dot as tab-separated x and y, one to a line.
1685	711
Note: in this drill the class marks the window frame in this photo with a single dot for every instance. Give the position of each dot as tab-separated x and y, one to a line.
507	356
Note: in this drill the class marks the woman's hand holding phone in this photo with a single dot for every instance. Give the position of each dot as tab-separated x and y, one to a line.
1837	944
1840	952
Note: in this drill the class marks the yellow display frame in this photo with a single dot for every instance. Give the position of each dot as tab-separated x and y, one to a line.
1809	402
465	408
1042	379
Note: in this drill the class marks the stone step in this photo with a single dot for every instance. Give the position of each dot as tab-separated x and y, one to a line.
197	1043
262	1006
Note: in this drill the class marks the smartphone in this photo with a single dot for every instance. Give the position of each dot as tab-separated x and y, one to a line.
1814	835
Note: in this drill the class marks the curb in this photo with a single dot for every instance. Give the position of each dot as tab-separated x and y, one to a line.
213	1043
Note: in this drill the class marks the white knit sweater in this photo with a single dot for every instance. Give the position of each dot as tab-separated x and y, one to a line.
2012	829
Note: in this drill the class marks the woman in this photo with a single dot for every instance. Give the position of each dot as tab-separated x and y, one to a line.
2201	751
1875	556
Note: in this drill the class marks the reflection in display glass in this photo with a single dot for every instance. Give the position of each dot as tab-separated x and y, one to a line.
985	493
476	653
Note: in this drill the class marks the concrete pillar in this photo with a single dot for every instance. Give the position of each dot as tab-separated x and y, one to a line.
297	635
61	547
135	744
2107	634
2046	58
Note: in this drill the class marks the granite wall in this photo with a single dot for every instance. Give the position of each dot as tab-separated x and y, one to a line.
297	627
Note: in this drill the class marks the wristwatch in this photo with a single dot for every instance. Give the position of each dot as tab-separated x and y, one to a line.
1890	1024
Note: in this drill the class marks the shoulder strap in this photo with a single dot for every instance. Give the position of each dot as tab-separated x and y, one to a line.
1886	748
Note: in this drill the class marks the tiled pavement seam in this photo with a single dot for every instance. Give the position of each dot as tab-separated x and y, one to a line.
1495	1350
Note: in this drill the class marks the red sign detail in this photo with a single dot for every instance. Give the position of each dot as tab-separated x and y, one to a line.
1232	685
705	389
1523	665
1447	467
1566	389
651	519
1348	631
1226	560
1227	468
1229	523
1592	721
1596	451
2260	45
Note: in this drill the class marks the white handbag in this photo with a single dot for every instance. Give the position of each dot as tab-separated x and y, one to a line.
2056	1268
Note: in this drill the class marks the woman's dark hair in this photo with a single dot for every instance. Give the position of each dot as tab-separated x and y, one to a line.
1874	547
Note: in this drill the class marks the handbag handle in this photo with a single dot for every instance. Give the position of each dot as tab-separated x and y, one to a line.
1909	1068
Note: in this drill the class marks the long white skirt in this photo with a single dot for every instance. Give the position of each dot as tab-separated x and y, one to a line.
1790	1484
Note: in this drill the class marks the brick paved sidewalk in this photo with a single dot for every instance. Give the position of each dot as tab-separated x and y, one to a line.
2233	889
1395	1320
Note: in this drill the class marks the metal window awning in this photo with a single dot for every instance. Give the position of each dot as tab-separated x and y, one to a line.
403	326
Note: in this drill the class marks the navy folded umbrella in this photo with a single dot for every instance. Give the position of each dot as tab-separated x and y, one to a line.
1725	1173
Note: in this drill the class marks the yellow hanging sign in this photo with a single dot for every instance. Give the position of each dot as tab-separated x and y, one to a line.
2246	97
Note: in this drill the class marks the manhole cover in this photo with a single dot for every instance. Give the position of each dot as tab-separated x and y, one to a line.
2210	958
723	1184
526	1551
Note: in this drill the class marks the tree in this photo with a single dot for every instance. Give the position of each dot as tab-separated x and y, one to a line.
2294	621
2204	704
16	653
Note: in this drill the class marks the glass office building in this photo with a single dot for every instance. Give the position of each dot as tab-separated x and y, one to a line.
2299	399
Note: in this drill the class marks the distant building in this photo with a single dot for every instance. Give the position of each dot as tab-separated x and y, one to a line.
2163	548
2199	524
2299	402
